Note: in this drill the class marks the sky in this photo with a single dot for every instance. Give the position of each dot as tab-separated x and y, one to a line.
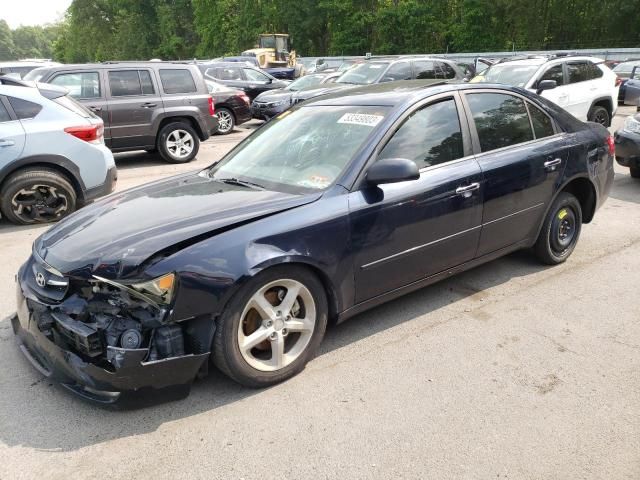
32	12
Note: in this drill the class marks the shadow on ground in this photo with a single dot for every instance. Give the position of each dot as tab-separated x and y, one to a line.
48	411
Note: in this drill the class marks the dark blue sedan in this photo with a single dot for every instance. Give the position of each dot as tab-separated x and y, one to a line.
335	206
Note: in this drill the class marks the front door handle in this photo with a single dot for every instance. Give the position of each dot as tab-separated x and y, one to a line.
95	109
149	105
7	143
468	190
551	165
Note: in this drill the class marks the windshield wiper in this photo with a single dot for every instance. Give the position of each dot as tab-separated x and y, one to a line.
237	181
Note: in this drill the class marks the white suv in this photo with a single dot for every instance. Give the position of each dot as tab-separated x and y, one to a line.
585	86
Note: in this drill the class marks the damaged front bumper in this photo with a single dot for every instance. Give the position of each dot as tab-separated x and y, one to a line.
123	376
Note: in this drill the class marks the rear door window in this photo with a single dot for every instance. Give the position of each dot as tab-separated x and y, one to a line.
446	70
79	84
582	71
430	136
177	81
146	82
501	120
124	83
23	108
255	76
542	124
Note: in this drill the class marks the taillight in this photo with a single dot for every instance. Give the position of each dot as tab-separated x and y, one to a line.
88	133
611	144
618	81
212	108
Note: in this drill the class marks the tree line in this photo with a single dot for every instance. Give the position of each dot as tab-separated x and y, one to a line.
96	30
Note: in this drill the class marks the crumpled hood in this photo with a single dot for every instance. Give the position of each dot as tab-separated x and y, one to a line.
112	237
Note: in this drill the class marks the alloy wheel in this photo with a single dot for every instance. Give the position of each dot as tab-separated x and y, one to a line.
276	325
39	203
225	121
179	143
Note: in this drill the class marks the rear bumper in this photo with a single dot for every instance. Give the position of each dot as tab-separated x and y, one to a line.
627	148
132	382
106	188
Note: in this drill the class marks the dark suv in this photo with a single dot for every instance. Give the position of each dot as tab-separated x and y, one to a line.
145	105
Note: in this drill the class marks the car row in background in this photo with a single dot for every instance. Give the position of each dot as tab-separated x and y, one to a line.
52	155
153	106
583	86
251	80
378	70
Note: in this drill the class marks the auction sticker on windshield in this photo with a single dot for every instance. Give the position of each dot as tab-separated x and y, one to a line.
361	119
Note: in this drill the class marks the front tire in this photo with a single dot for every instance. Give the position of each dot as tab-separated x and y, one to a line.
178	142
37	195
272	327
560	230
599	115
634	171
226	121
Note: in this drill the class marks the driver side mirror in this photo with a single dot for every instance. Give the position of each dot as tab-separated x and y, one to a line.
392	170
546	85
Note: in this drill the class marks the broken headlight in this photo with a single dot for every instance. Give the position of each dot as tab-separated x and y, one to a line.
160	289
157	292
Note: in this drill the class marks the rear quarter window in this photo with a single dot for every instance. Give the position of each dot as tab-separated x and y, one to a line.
23	108
76	107
177	81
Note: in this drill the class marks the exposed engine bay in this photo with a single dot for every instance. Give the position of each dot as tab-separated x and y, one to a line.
97	316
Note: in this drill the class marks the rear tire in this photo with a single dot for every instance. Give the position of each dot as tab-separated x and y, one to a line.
226	121
560	231
599	115
297	330
37	195
634	170
178	142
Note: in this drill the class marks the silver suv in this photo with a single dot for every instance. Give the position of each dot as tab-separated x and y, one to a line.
149	106
52	153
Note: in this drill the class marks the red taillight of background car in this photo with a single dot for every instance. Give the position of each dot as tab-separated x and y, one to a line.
618	81
245	98
88	133
611	144
212	108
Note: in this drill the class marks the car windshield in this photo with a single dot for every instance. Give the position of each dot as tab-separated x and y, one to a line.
304	82
363	74
508	74
300	150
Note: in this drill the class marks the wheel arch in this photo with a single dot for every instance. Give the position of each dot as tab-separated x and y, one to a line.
192	122
585	191
61	165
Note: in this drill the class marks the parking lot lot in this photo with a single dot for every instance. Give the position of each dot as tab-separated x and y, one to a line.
511	370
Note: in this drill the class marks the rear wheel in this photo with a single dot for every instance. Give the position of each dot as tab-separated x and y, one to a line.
226	121
634	170
272	328
178	142
560	231
599	115
37	195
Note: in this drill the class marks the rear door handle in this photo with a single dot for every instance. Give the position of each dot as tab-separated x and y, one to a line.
149	105
95	109
551	165
7	143
468	190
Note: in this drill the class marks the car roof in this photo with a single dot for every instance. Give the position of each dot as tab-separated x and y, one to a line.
398	93
93	66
